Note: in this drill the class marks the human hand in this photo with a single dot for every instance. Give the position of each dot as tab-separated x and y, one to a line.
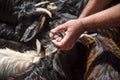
72	29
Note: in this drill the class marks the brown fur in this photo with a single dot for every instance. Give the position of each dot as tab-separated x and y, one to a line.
102	61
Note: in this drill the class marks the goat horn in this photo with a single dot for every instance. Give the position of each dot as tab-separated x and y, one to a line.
40	3
38	46
44	11
39	53
41	22
87	39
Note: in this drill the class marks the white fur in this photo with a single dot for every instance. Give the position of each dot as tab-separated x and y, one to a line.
13	62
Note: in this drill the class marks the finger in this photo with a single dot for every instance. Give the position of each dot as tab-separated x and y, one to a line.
65	40
66	48
63	43
58	29
56	43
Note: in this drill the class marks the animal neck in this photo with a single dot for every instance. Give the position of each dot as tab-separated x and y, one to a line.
42	70
103	51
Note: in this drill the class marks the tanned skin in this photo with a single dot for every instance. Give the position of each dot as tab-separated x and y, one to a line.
94	16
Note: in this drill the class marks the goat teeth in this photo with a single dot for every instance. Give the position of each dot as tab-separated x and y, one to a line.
44	11
41	3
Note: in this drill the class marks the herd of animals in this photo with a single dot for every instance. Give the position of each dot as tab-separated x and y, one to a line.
27	52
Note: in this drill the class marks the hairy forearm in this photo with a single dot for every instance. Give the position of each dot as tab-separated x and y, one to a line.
105	18
94	6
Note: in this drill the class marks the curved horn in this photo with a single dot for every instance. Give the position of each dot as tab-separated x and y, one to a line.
41	3
44	11
87	39
38	46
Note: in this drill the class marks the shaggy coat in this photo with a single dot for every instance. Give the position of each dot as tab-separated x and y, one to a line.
100	60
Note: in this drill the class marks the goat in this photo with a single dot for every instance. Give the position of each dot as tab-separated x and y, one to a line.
29	65
27	18
101	58
14	45
21	32
14	63
23	20
23	26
